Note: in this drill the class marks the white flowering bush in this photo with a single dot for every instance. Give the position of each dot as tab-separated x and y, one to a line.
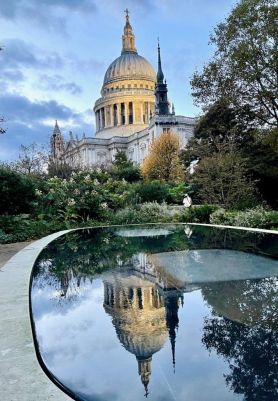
258	217
152	211
84	196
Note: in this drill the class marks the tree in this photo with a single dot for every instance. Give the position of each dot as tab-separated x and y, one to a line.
222	130
163	161
222	179
122	168
17	192
243	69
60	169
218	130
33	159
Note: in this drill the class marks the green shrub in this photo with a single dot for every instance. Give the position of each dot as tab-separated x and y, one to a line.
152	211
152	191
221	216
17	192
176	193
22	227
149	212
198	214
128	173
125	216
258	217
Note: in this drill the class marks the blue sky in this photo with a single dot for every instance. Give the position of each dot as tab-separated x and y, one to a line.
56	53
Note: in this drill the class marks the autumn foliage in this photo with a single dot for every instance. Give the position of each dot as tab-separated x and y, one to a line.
163	162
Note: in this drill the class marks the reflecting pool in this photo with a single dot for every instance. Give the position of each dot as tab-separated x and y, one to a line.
167	312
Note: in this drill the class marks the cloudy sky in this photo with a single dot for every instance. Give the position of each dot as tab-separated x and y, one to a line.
56	53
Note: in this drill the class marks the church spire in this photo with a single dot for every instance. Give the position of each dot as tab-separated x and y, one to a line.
128	37
161	98
56	130
57	144
160	75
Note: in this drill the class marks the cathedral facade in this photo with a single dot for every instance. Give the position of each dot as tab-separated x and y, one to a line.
132	111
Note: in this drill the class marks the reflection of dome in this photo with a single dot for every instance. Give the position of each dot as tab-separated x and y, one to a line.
138	313
129	66
142	317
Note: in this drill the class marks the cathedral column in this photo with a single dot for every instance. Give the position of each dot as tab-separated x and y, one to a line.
96	116
104	118
112	116
149	110
142	113
119	113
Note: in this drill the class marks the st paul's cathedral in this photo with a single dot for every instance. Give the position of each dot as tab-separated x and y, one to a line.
132	111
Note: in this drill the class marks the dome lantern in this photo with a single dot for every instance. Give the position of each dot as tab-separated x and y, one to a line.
128	37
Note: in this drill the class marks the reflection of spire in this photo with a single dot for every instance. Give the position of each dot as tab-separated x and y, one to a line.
144	370
172	321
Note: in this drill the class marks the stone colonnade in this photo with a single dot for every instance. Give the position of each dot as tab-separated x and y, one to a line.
138	297
123	113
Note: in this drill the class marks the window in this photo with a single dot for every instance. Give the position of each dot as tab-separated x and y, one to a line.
115	115
122	113
130	113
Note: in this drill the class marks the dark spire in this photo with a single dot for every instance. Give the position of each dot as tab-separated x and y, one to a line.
160	75
161	99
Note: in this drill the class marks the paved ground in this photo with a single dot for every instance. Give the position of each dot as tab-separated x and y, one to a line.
9	250
21	378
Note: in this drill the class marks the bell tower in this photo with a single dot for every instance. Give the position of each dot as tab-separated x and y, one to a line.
57	144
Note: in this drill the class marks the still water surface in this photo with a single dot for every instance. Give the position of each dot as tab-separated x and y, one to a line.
168	312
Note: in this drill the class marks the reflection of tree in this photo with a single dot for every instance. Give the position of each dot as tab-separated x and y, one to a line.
251	350
86	253
247	301
252	353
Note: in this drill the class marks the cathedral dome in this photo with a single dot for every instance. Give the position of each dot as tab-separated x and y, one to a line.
127	95
129	66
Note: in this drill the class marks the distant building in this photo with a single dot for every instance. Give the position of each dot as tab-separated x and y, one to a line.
132	111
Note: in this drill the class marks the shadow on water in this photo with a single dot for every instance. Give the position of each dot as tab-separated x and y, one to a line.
147	273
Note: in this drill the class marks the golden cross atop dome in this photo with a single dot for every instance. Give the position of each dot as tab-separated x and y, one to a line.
127	13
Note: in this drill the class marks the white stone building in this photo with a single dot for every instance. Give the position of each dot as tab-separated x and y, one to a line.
132	111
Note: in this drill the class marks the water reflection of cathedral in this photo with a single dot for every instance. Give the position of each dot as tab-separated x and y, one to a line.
144	312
